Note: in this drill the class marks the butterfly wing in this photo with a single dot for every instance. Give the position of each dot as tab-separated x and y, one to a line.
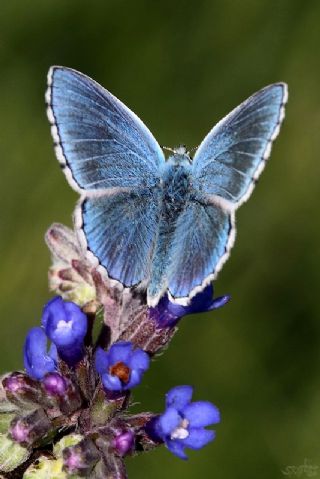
233	154
225	168
100	143
112	159
120	230
201	240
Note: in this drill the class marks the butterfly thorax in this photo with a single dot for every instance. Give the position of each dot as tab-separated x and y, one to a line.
176	181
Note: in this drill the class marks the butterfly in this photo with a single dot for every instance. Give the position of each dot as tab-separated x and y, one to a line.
161	225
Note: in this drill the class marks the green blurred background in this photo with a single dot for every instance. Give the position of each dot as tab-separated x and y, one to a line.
181	66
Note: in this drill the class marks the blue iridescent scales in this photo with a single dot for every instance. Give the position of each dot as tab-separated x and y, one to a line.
162	225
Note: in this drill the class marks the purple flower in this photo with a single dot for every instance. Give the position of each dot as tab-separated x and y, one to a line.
167	313
183	422
37	361
66	325
122	367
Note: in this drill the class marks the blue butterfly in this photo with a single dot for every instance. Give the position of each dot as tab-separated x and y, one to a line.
162	225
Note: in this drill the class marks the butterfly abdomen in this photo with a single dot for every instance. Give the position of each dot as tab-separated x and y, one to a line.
176	191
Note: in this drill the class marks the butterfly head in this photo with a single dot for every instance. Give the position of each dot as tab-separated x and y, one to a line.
180	155
181	150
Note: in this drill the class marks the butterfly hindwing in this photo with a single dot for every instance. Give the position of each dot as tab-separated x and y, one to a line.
202	237
233	154
99	141
120	230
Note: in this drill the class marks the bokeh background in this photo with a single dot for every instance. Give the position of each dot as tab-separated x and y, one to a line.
181	66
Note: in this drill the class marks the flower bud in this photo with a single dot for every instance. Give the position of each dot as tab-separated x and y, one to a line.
23	391
123	443
55	384
69	275
30	429
80	458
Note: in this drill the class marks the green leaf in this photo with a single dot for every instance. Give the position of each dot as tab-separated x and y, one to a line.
5	420
101	409
66	441
47	468
12	454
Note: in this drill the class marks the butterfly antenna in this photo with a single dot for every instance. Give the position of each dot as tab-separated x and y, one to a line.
167	148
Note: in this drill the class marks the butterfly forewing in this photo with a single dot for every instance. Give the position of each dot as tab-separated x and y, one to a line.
99	141
233	154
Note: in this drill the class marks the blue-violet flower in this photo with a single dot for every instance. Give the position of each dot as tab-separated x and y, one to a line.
122	367
66	325
37	361
167	313
183	422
